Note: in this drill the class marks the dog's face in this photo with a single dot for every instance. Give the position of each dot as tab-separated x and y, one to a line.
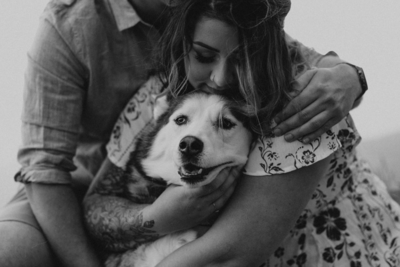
199	136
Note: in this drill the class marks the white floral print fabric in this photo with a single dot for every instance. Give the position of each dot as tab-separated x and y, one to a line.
350	220
273	155
136	114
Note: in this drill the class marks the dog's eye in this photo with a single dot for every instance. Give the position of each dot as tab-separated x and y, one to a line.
226	124
181	120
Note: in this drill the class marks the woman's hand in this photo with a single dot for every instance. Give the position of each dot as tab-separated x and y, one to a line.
181	207
326	95
255	221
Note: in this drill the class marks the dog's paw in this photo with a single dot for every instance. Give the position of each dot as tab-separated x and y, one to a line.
185	237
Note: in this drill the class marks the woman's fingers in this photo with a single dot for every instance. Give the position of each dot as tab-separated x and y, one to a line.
219	184
221	195
218	192
218	204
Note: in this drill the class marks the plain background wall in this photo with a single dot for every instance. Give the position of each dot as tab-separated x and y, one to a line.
366	33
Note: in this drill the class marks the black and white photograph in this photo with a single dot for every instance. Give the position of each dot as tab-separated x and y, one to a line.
194	133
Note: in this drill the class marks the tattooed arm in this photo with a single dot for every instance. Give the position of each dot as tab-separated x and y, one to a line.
123	211
114	213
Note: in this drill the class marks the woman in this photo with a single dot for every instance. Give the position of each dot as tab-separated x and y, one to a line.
293	198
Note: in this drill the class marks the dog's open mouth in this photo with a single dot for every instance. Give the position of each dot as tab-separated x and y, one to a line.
192	174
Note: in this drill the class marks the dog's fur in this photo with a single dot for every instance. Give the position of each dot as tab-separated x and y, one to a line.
189	144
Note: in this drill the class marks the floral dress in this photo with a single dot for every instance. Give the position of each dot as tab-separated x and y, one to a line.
349	221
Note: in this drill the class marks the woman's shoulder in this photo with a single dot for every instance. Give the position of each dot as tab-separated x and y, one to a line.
273	155
138	112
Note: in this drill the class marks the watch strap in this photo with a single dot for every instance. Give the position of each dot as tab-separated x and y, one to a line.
361	78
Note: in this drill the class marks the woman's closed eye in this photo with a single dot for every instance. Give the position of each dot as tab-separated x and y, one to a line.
204	58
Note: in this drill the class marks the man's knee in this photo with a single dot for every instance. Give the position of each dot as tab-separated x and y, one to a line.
23	245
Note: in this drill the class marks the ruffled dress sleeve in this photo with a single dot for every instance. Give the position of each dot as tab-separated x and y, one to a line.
272	155
135	116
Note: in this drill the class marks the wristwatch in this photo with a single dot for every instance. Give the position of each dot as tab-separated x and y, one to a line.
361	78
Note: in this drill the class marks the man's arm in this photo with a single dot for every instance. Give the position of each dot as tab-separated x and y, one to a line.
327	93
59	214
53	99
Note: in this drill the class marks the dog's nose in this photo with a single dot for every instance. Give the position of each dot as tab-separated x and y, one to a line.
190	146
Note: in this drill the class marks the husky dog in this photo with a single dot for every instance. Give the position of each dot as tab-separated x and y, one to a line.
196	137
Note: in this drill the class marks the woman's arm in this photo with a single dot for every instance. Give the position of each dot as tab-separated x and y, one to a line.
113	218
255	221
120	213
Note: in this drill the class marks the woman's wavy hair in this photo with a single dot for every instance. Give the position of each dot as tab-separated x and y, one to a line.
264	70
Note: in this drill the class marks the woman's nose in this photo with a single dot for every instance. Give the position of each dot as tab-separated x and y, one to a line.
222	74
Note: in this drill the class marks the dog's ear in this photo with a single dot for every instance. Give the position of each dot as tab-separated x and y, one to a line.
161	106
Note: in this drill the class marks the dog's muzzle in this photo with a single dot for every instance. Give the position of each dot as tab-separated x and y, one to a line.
190	147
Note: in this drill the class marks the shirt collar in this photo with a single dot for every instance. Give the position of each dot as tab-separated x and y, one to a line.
124	14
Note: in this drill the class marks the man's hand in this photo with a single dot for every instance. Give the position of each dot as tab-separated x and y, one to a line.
325	97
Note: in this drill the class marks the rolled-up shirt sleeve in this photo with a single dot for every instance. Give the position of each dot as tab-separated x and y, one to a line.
53	100
311	56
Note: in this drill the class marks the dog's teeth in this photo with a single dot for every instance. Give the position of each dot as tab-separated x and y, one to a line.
194	172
